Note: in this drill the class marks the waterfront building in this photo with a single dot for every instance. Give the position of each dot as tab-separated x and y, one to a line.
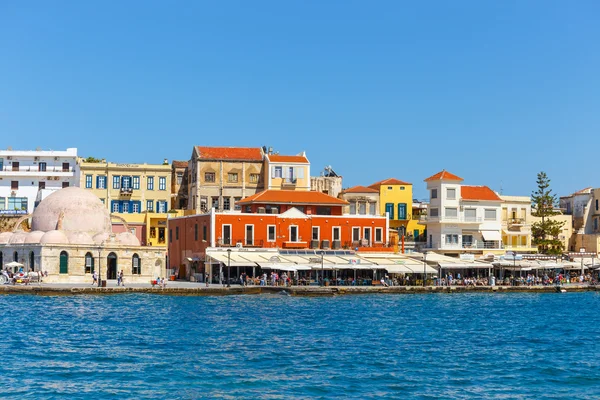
287	172
361	200
138	195
72	236
516	224
279	220
221	176
179	185
578	206
462	218
328	182
28	176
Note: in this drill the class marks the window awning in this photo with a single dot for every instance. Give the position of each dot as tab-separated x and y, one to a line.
491	235
235	260
278	266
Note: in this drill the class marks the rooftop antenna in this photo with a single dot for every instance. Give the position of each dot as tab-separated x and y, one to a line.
500	188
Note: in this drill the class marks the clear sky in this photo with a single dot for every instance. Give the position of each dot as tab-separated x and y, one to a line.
493	91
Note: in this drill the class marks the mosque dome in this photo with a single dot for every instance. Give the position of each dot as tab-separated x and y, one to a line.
54	237
128	239
34	237
17	237
80	238
5	237
71	209
101	237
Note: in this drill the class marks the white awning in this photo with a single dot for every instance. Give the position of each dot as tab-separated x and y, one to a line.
278	266
491	235
398	269
233	260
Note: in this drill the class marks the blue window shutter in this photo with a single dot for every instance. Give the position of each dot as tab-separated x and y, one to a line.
120	206
139	203
130	206
112	205
389	208
97	182
402	211
157	209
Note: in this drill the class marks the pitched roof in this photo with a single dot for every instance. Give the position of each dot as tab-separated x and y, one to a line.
230	153
444	175
292	159
389	181
478	193
180	164
360	189
292	197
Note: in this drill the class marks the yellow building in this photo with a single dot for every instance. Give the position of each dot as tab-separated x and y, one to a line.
137	195
396	199
516	224
287	172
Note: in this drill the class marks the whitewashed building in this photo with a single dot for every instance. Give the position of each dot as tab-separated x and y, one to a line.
27	176
462	218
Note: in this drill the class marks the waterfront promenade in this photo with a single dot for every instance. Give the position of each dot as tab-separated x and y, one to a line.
197	289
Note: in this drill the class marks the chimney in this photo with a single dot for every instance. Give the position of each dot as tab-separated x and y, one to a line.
165	161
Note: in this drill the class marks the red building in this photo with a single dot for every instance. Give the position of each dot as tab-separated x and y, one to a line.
273	219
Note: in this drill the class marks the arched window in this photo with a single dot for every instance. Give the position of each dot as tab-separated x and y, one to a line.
64	262
32	261
1	260
136	267
16	256
89	263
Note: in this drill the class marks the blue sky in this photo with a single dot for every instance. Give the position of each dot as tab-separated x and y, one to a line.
493	91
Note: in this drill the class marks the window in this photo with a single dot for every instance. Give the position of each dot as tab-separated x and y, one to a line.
232	177
116	182
378	235
235	203
42	167
402	188
162	183
149	205
470	214
89	263
254	178
372	209
402	211
115	207
204	233
101	182
595	224
490	214
17	203
434	212
315	233
362	208
249	235
88	181
136	182
179	178
125	206
451	212
434	193
596	204
389	208
161	235
161	206
467	240
270	233
278	172
65	185
150	183
176	233
135	265
15	166
290	177
322	210
335	233
209	177
14	185
136	207
452	239
196	232
355	234
227	235
126	182
367	234
41	185
226	203
2	205
293	233
352	208
64	263
451	194
215	202
1	164
65	167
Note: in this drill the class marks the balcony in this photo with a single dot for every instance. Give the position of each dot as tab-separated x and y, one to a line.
475	245
517	222
34	170
458	219
126	191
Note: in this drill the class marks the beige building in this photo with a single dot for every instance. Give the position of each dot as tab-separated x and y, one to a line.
328	182
287	172
516	224
221	176
567	228
362	201
179	185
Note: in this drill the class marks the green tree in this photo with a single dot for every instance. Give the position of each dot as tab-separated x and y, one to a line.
92	160
545	233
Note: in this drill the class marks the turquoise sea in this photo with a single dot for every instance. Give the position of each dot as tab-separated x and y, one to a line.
453	346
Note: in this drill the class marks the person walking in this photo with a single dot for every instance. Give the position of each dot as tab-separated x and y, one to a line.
207	280
95	278
120	279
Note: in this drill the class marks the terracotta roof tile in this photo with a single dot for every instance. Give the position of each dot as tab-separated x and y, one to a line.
230	153
292	159
444	176
389	181
292	197
360	189
180	164
478	193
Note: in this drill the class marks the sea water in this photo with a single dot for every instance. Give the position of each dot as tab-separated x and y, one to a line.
458	346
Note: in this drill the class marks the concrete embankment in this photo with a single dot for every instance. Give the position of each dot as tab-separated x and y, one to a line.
48	290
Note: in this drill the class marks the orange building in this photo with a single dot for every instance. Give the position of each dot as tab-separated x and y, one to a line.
273	219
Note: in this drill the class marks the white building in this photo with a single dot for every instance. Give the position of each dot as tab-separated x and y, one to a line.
462	218
27	176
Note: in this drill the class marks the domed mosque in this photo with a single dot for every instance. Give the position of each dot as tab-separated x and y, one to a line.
71	236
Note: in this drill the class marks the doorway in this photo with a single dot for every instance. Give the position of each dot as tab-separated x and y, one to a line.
111	266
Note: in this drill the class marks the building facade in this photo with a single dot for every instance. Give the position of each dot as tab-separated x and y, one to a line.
221	176
328	182
462	218
179	185
28	176
361	201
516	224
287	172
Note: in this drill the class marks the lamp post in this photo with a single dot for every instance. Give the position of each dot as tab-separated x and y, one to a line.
99	266
322	270
424	268
228	267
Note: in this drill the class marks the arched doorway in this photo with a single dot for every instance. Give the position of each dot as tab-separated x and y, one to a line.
89	263
31	261
1	260
135	265
111	266
16	256
64	262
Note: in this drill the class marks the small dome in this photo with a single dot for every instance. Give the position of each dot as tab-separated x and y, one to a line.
128	239
101	237
5	237
54	237
79	238
18	238
80	209
33	237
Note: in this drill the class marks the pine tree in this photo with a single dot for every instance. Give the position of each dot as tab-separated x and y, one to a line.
545	233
